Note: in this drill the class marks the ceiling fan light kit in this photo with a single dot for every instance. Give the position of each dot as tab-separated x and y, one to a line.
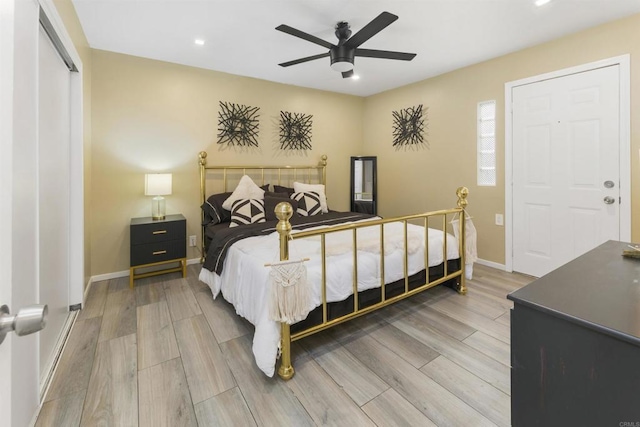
343	54
341	58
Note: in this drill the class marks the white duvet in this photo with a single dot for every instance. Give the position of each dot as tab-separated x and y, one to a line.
244	281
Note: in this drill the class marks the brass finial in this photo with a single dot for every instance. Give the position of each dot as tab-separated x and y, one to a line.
283	212
323	162
202	158
462	193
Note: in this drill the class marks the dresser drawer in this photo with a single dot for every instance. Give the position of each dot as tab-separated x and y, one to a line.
158	232
158	251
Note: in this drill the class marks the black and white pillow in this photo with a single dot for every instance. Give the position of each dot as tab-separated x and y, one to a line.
308	203
247	211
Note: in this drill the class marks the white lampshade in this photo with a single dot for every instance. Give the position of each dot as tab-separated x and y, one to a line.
157	184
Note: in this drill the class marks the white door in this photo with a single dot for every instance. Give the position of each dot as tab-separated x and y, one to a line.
18	206
566	168
40	190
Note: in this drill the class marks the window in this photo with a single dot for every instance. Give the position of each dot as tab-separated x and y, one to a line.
487	143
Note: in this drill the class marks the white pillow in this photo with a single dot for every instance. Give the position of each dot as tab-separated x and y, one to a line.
246	189
299	187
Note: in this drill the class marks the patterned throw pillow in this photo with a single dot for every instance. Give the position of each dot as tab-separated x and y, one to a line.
308	203
247	211
318	188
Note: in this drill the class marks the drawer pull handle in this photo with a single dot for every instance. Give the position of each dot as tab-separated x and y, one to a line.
159	252
160	232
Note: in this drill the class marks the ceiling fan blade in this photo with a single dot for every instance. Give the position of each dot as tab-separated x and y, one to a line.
347	74
304	36
384	54
306	59
371	29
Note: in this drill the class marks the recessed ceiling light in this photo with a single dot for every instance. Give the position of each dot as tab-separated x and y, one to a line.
355	77
199	42
541	2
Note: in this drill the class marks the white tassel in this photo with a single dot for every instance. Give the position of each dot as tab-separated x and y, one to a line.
470	243
289	298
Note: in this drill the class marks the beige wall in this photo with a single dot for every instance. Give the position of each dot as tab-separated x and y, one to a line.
156	116
150	115
425	179
70	20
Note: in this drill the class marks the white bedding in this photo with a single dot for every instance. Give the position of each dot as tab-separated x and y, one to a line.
244	281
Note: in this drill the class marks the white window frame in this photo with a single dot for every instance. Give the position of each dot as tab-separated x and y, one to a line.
484	154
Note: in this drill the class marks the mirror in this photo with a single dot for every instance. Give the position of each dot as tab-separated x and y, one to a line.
363	184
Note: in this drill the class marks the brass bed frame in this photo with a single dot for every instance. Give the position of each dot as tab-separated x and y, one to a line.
291	173
284	212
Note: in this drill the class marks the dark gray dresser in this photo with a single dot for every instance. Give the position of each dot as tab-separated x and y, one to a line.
158	242
575	343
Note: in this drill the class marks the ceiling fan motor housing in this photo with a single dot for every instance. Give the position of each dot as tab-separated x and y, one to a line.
342	58
342	31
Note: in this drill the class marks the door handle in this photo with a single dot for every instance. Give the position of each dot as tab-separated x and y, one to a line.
609	200
30	319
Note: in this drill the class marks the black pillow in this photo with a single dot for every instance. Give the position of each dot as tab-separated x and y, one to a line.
278	195
214	213
280	189
265	187
270	204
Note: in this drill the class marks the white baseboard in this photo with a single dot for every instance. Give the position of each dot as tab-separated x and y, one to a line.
108	276
86	291
125	273
492	264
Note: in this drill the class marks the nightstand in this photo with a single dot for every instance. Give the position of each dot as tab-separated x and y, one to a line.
158	242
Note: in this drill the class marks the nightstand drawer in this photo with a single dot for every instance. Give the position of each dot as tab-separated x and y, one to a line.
161	231
158	252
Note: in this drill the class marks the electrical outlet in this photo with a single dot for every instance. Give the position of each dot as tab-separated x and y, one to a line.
499	219
192	240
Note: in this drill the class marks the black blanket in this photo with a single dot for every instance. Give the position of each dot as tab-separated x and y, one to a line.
223	238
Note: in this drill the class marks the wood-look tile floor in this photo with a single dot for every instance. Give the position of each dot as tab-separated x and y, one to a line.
167	354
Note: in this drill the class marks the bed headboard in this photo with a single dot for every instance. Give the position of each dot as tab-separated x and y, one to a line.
278	175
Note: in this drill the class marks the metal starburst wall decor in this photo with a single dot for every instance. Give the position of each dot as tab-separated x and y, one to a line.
238	125
295	131
409	126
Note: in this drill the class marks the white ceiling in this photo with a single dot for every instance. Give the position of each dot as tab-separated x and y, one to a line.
240	36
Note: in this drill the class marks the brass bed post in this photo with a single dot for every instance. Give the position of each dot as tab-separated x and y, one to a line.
202	160
283	212
323	163
462	193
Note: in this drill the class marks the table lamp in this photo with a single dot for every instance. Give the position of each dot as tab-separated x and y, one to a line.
158	185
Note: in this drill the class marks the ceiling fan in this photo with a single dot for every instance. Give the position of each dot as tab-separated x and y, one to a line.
342	55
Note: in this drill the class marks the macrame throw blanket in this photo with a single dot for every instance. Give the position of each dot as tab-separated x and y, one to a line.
290	297
470	243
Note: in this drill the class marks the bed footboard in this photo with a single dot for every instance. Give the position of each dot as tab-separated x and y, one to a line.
284	213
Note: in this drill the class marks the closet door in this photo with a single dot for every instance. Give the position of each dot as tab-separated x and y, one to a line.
54	120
